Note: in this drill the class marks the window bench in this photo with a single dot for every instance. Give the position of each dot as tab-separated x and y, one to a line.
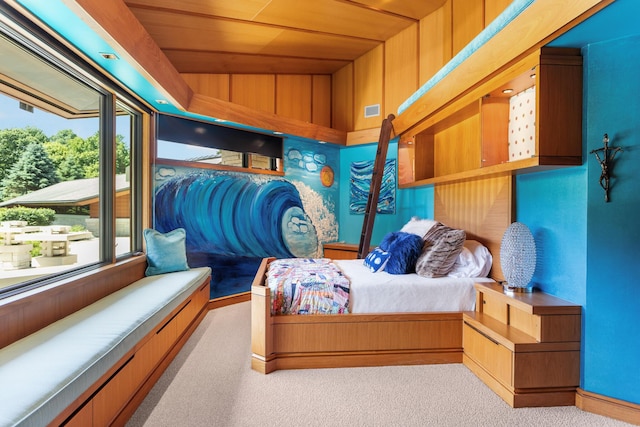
95	365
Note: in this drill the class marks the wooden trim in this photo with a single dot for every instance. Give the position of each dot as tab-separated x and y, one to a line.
365	136
229	300
608	406
203	165
212	107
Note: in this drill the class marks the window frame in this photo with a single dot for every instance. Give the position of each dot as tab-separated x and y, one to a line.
200	133
36	40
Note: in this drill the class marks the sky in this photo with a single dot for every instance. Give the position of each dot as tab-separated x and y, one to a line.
12	116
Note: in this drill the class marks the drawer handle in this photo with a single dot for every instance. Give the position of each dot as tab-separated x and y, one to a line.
482	333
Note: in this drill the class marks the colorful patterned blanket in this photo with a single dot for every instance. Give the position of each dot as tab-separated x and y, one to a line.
307	286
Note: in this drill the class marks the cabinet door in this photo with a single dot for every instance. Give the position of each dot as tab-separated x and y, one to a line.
493	357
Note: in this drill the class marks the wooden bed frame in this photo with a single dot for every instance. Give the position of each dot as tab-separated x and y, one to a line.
482	207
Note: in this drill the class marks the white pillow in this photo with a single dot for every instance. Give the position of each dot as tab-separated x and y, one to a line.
474	261
418	226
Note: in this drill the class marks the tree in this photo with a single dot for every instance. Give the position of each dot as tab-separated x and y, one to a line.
75	157
13	142
122	155
33	171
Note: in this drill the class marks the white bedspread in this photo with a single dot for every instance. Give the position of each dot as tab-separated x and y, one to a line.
406	293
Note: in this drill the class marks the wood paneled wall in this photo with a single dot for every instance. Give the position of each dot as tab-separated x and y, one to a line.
400	69
368	71
408	60
303	97
342	98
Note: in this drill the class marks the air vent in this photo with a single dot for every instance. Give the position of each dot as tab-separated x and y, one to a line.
371	110
26	107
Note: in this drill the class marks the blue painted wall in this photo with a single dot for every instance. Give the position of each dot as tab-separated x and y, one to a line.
588	249
409	202
554	206
612	315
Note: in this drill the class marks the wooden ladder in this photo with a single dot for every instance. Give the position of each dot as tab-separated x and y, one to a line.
376	183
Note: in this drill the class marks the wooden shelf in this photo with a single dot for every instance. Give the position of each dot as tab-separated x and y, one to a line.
470	137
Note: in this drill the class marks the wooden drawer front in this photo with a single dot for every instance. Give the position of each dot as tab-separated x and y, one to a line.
339	254
82	418
108	402
493	357
495	308
184	317
547	369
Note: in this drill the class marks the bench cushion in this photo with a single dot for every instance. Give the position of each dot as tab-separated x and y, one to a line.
43	373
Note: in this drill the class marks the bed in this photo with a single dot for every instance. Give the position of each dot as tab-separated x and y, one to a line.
482	207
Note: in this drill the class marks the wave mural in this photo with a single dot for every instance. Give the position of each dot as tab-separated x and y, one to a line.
236	215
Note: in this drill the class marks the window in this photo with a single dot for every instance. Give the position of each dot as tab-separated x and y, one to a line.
201	142
69	186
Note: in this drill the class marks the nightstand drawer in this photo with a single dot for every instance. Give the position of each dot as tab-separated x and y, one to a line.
495	358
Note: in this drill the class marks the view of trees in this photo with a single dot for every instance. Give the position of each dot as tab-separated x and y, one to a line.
29	160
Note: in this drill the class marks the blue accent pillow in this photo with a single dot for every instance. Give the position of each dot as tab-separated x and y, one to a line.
376	260
404	249
165	252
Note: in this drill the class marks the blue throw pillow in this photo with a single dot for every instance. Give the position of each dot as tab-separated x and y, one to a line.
165	252
404	249
376	260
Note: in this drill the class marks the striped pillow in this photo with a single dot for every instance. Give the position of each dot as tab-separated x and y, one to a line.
441	247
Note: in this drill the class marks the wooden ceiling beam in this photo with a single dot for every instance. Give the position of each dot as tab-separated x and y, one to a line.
213	107
188	61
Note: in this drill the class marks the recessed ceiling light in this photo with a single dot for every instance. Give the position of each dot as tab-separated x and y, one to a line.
162	101
533	76
277	133
110	56
322	142
507	91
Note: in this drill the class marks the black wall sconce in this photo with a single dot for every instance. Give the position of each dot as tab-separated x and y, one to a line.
605	156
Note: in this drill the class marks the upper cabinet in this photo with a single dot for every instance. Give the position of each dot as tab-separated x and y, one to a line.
525	118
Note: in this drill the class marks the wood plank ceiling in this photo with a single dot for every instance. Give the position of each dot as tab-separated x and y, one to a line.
273	36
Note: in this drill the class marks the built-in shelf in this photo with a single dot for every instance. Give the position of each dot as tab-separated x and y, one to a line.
527	118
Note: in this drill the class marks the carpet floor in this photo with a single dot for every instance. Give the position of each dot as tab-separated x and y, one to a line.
210	383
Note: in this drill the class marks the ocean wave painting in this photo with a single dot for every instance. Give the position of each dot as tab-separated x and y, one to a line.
360	183
236	215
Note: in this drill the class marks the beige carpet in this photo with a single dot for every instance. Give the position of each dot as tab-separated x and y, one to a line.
210	383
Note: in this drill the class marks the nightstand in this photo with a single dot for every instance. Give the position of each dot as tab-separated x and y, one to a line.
524	346
339	250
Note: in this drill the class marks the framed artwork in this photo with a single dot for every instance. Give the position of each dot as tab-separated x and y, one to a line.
360	182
